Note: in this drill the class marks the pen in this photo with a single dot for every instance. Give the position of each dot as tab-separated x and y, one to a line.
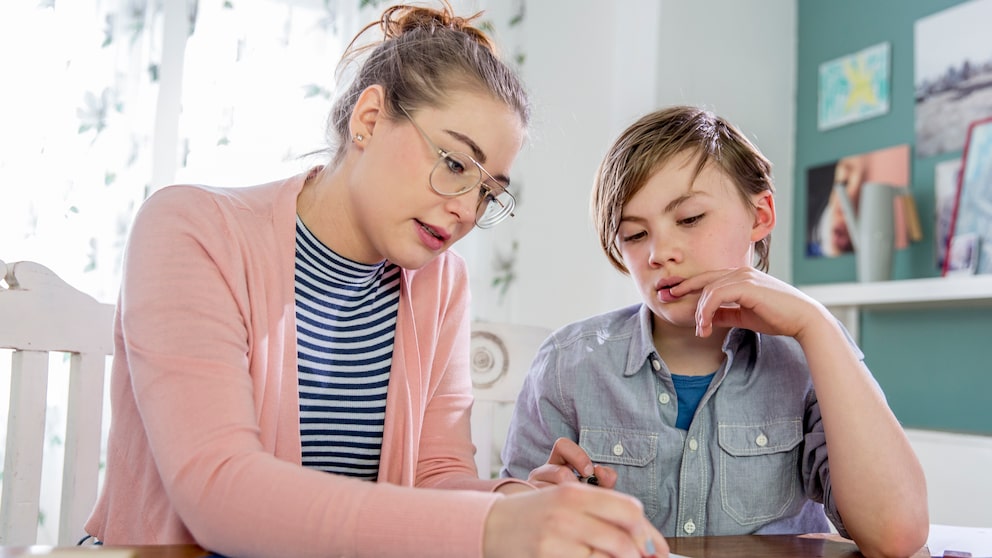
591	479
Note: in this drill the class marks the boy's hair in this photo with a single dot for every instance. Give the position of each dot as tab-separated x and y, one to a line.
425	54
657	138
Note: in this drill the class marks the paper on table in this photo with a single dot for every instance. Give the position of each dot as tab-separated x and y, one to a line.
976	540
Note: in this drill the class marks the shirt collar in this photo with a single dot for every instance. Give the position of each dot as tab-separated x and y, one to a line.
642	342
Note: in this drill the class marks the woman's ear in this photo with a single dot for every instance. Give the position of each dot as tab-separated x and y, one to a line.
370	106
764	215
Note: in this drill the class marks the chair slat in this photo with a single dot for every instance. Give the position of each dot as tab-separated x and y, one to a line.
25	444
81	467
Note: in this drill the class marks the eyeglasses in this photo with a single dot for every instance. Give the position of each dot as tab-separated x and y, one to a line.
457	173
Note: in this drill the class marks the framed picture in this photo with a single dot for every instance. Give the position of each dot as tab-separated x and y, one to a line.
950	49
962	254
973	206
827	233
945	190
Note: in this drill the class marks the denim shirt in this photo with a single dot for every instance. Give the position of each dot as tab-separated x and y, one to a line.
754	459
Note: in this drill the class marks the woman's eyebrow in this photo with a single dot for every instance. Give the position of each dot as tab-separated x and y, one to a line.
477	153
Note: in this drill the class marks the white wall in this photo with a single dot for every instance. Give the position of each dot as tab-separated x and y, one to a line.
739	60
957	468
592	68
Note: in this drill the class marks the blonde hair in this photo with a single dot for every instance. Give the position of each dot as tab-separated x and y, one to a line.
654	140
424	55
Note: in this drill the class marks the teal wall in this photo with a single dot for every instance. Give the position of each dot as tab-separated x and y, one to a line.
932	364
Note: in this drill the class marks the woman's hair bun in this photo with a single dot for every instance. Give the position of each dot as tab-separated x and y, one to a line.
401	18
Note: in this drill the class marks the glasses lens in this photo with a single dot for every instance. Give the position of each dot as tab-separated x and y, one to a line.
494	208
455	173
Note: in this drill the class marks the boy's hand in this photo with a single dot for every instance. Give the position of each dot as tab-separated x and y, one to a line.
570	463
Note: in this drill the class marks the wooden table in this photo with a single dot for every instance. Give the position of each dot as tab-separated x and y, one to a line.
151	551
746	546
770	546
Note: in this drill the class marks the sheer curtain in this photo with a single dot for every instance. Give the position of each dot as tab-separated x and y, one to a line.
107	100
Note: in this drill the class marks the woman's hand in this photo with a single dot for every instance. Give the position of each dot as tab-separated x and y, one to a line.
567	463
570	520
748	298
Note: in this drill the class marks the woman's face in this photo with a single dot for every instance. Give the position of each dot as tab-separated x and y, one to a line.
405	221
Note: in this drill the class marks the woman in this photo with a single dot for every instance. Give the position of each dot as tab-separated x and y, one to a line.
280	346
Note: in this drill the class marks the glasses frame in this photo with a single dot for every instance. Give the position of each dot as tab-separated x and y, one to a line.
490	191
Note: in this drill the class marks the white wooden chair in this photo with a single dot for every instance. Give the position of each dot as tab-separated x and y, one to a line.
501	355
39	314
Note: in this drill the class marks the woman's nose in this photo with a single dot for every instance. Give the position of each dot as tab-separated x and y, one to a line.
463	206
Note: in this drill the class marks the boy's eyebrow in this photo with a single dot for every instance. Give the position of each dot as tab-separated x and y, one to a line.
672	206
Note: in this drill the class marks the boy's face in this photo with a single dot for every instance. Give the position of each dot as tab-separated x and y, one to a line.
678	226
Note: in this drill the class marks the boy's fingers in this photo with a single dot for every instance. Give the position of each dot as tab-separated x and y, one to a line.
567	452
606	476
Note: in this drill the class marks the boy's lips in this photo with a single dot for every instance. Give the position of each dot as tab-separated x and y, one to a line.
668	282
664	288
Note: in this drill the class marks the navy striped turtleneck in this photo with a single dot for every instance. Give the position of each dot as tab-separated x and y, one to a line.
345	324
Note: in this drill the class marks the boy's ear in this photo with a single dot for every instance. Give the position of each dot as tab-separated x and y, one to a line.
764	216
370	106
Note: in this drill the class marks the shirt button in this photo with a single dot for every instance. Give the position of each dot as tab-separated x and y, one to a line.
693	444
664	398
618	449
761	440
655	364
689	527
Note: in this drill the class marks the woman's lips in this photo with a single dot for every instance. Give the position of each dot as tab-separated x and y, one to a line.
431	237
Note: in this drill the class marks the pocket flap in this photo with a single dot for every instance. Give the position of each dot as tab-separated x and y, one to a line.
760	439
619	446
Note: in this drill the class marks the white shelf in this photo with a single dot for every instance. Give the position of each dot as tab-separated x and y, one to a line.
906	293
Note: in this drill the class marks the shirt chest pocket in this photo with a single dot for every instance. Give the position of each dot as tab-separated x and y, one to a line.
760	477
632	453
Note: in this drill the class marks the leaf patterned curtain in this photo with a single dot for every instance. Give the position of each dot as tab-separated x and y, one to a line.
76	113
105	100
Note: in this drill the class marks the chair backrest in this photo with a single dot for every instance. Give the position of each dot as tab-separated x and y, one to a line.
41	314
501	355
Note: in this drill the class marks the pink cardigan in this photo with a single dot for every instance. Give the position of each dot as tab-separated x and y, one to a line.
205	436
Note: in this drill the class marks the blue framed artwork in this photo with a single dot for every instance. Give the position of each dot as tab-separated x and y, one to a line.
970	244
854	87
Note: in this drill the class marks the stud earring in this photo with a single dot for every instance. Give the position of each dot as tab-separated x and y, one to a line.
359	137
